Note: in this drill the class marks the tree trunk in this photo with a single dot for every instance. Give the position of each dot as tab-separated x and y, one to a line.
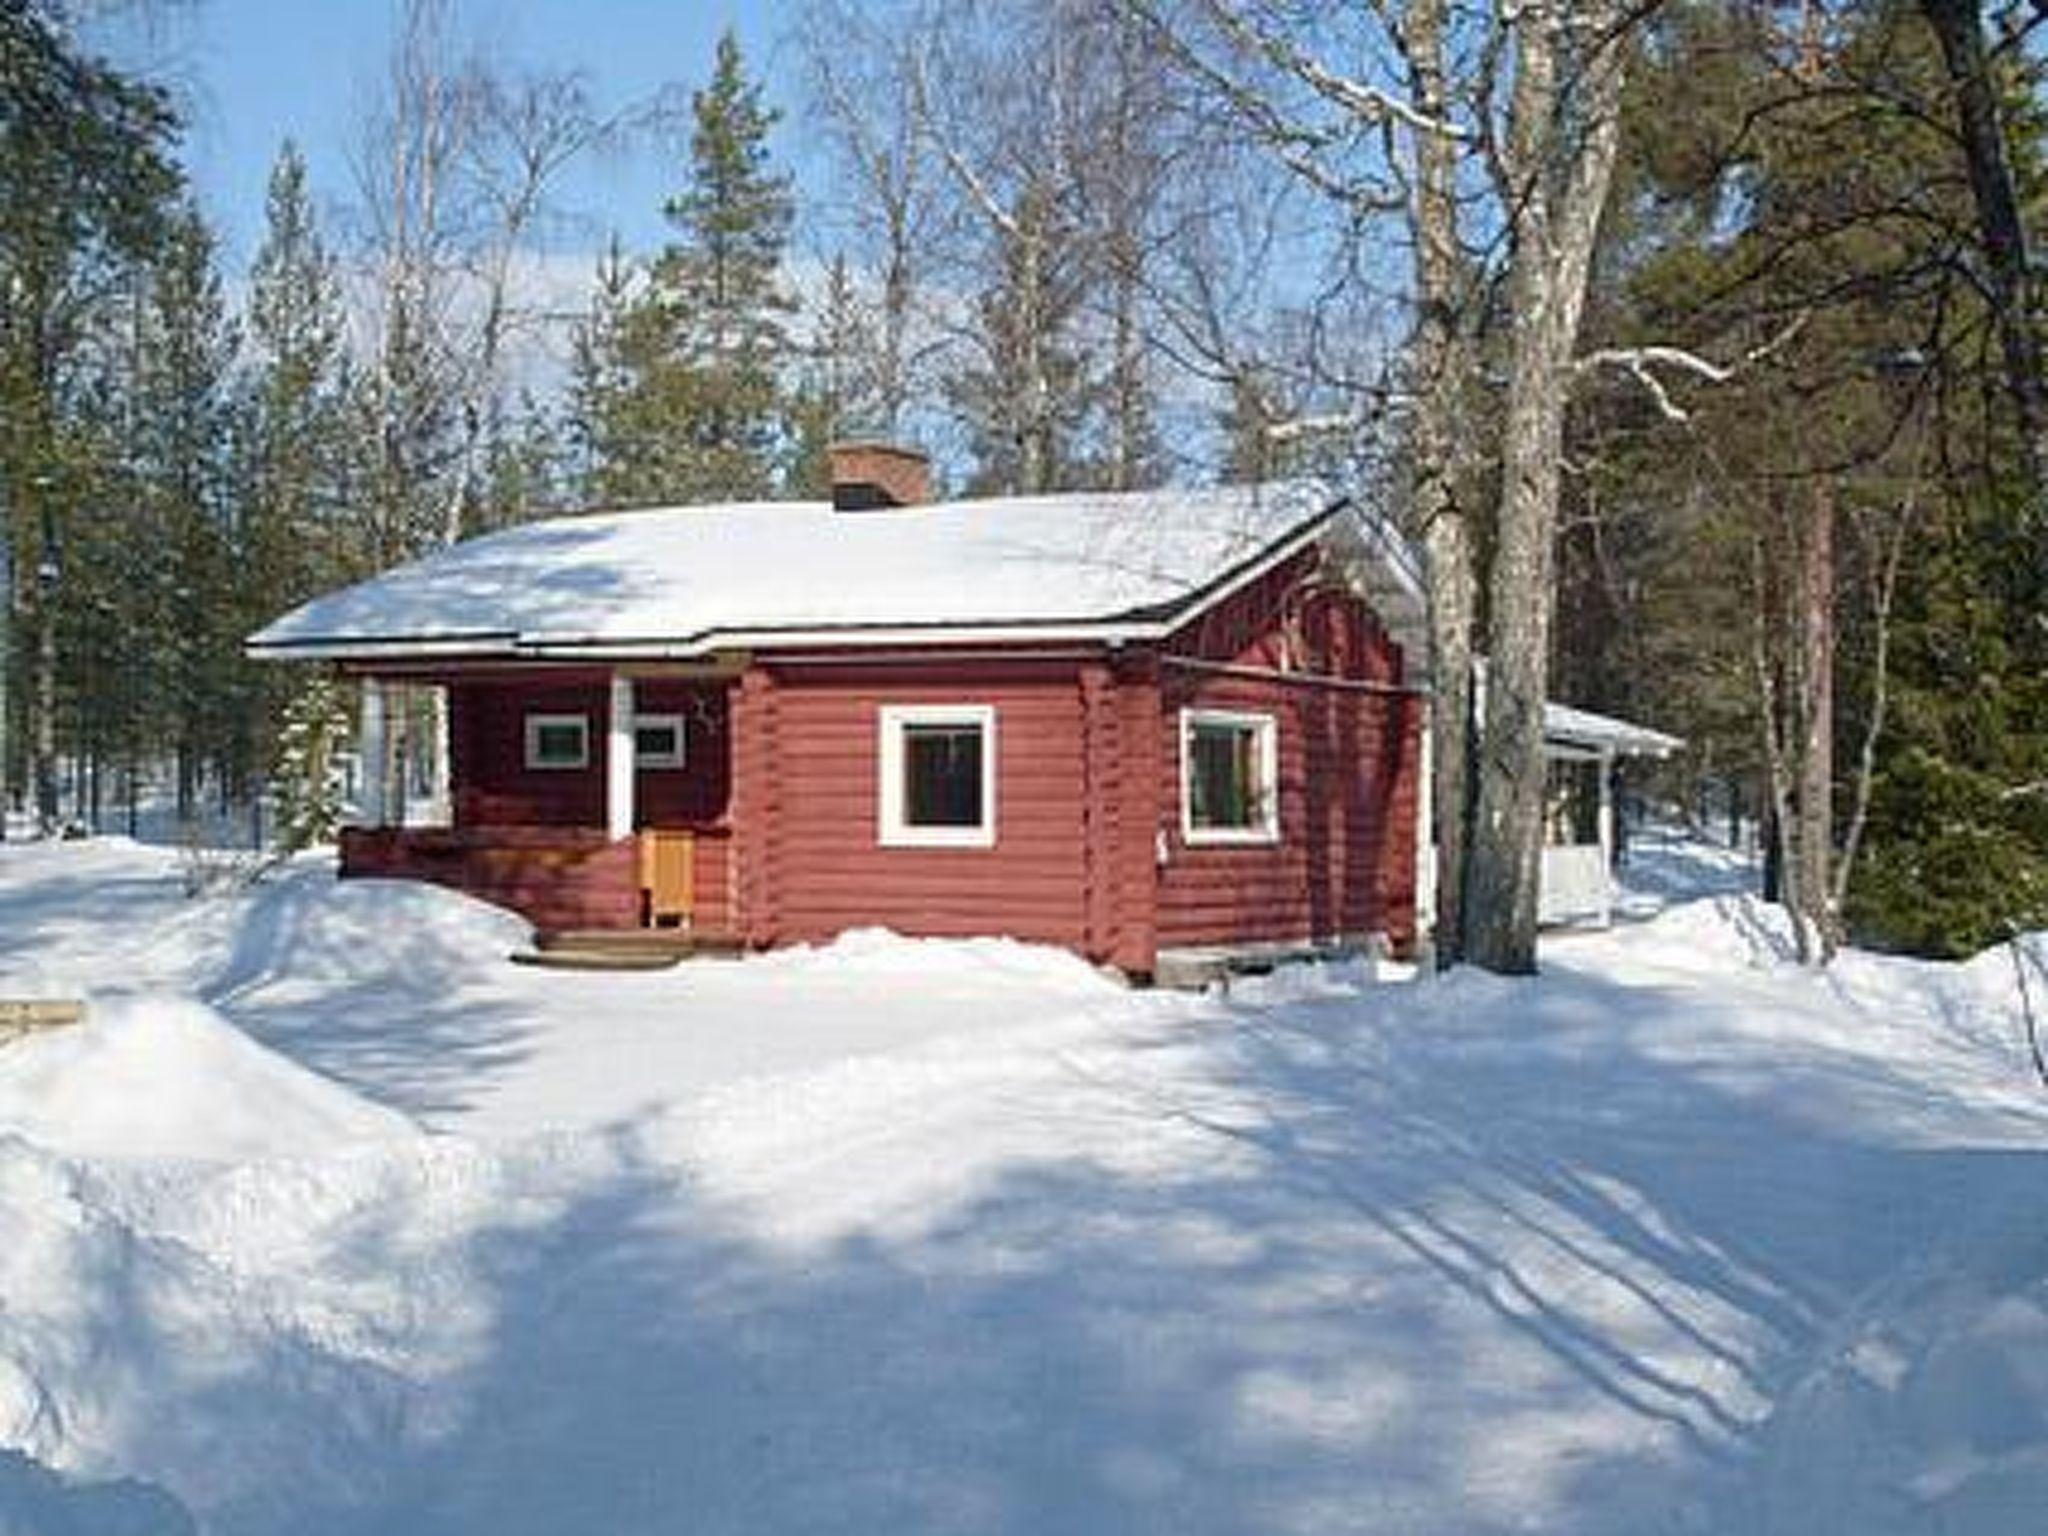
1814	840
43	740
1959	27
1560	159
1437	434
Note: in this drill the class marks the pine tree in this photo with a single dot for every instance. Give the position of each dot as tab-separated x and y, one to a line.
187	346
294	536
294	533
677	393
86	179
1844	497
680	390
722	284
614	462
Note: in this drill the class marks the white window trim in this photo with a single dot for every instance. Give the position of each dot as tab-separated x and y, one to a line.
535	724
1267	729
892	832
677	759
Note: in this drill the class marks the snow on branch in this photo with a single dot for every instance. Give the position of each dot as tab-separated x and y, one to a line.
1367	103
1642	363
1296	428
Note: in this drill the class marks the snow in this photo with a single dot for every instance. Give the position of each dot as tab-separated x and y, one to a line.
170	1078
691	575
965	1237
1583	728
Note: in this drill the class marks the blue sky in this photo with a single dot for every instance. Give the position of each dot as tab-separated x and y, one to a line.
251	72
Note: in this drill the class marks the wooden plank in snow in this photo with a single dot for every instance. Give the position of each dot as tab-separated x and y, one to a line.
21	1016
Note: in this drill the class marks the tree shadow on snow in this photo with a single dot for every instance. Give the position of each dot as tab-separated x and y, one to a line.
1362	1278
35	1501
397	1019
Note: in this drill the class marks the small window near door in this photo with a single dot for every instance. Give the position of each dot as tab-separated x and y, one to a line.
1229	777
938	786
557	741
658	741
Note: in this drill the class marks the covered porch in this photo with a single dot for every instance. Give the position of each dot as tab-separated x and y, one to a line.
1580	750
583	798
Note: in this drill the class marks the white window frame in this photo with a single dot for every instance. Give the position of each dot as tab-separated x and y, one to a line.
892	830
1266	729
676	759
536	723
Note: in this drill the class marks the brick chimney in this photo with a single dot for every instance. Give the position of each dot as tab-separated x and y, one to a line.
873	476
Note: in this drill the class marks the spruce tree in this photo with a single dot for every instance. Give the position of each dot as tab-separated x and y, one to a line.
720	284
679	388
294	534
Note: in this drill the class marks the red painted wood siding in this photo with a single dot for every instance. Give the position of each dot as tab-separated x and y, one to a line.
495	788
553	877
487	748
808	769
1344	863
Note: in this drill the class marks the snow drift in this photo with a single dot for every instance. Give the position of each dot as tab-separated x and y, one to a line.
162	1076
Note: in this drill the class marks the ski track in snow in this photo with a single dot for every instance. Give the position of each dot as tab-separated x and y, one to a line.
333	1223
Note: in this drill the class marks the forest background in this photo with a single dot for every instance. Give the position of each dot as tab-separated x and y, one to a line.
1697	343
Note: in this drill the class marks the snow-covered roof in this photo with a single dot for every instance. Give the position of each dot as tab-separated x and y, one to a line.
681	581
1565	726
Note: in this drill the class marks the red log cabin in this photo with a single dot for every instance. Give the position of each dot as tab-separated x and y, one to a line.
1132	725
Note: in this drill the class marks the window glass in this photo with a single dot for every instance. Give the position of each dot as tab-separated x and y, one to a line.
1228	790
557	741
937	784
942	775
658	741
1223	770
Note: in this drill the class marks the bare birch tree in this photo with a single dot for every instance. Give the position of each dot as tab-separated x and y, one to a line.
1528	111
1562	130
864	92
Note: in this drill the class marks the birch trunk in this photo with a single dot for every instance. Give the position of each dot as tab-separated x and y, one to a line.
1438	432
1815	838
1562	134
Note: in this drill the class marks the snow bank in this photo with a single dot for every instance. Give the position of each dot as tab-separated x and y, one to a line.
165	1076
886	953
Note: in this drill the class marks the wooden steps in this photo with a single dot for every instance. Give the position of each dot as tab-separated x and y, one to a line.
623	949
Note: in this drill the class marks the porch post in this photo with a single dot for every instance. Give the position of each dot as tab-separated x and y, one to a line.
1606	836
1425	827
373	744
618	761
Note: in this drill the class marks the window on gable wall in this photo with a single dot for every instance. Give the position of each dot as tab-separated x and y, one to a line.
1229	777
938	787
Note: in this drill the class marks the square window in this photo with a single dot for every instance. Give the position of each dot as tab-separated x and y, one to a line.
1229	777
658	741
938	776
557	741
